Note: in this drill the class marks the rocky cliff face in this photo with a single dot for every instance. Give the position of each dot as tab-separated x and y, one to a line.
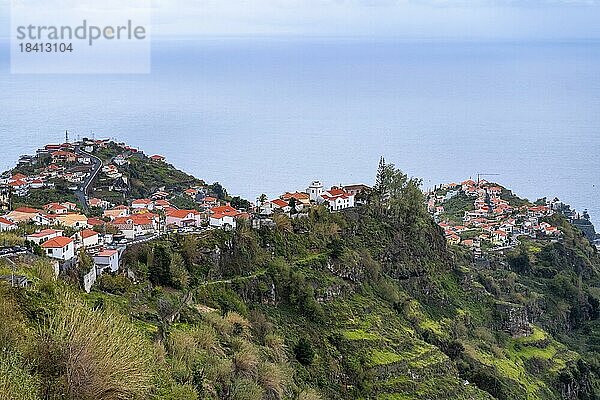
575	382
586	227
513	319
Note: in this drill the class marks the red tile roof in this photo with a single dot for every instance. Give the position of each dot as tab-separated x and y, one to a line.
539	208
106	253
225	210
280	203
95	221
6	221
54	206
336	192
181	213
86	233
18	182
137	219
57	243
27	210
296	195
61	153
43	233
141	201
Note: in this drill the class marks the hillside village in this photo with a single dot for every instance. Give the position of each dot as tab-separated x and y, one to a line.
98	203
483	215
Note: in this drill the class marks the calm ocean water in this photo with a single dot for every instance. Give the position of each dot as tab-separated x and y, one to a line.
269	115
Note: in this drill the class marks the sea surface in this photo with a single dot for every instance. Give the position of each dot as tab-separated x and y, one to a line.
266	115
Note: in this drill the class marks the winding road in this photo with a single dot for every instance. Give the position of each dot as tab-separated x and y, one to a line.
82	191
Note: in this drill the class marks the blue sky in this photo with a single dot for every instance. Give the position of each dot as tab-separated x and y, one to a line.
451	19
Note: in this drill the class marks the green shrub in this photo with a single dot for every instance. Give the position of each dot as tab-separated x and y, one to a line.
113	283
304	351
246	389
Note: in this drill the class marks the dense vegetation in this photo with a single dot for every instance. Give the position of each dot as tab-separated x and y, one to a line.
37	198
455	207
368	303
148	177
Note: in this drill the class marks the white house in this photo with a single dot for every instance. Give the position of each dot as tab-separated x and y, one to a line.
111	171
19	187
44	235
56	208
70	206
223	217
467	185
140	204
136	225
158	157
7	225
60	247
84	160
36	184
89	238
95	202
279	204
338	199
500	237
551	231
120	160
507	227
267	208
183	218
222	221
106	259
538	211
43	219
22	214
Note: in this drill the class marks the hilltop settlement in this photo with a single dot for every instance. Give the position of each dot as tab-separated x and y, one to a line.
485	215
